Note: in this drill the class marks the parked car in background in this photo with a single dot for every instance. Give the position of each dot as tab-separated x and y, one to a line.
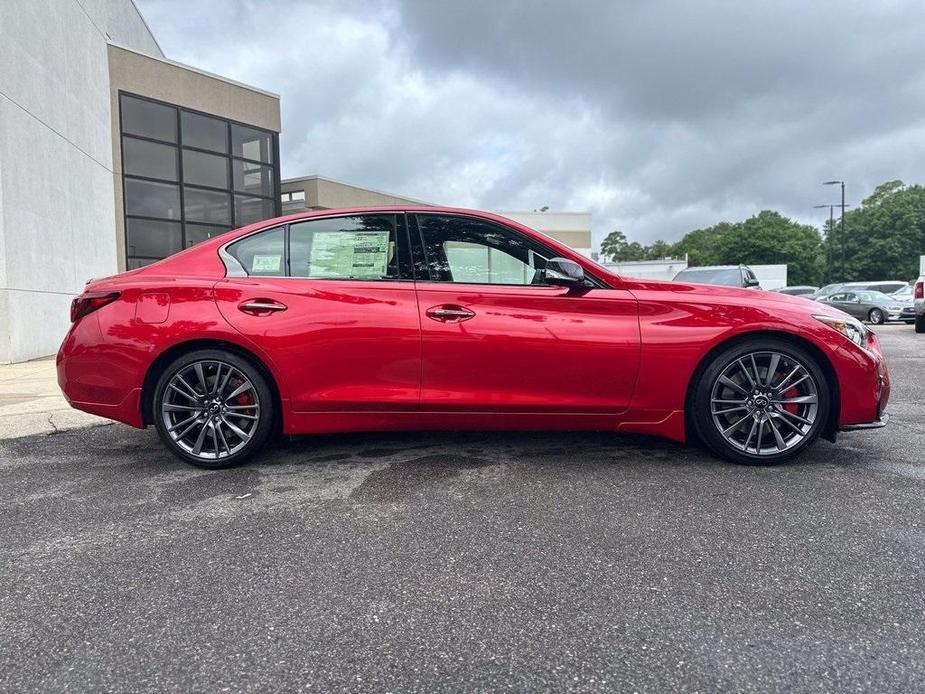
724	275
918	298
390	318
904	293
885	286
875	307
797	290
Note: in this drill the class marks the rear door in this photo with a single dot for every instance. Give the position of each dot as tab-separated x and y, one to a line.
496	338
332	301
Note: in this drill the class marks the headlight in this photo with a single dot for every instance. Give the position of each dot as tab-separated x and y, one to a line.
847	326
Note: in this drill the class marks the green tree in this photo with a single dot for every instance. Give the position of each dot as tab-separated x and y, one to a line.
614	244
703	246
883	238
617	248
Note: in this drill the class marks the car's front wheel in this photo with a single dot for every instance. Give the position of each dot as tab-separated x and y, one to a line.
761	402
876	316
213	408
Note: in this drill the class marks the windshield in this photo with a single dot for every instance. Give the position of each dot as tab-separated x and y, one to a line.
904	293
729	276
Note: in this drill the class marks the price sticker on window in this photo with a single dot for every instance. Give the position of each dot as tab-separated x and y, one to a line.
266	263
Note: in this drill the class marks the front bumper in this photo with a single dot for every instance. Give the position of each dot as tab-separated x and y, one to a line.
879	423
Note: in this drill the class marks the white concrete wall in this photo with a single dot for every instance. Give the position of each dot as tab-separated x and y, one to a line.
664	269
57	218
771	276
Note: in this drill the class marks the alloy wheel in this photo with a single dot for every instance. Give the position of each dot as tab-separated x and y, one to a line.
764	402
210	409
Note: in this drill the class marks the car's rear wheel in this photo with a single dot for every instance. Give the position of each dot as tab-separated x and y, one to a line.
761	402
920	324
876	316
213	408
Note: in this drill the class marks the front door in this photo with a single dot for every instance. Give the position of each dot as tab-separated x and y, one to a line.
496	338
332	301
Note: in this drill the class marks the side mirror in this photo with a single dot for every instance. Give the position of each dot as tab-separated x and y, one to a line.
751	283
564	273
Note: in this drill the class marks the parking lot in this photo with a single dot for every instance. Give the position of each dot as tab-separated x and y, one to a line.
403	562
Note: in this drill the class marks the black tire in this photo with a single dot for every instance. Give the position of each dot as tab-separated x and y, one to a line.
920	324
876	316
701	401
241	371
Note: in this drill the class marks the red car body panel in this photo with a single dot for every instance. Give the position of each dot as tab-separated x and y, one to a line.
350	355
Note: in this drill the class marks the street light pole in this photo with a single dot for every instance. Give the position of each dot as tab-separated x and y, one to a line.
842	223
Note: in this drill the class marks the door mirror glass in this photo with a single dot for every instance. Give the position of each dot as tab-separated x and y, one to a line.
564	272
752	282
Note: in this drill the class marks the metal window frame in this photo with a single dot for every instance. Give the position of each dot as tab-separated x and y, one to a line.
180	147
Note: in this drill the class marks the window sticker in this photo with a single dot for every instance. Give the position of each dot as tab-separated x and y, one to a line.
266	263
353	254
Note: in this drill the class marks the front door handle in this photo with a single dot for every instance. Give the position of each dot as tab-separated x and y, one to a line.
261	307
449	313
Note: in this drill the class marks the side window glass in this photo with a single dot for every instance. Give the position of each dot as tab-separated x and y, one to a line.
467	250
364	247
262	254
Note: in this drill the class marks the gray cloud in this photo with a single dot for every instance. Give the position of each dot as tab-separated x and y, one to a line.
659	116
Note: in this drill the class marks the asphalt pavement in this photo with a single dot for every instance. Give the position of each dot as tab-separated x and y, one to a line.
431	562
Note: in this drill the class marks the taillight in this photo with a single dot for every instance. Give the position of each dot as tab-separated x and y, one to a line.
88	303
919	293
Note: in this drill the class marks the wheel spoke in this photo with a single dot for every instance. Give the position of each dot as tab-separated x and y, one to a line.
750	433
240	389
742	366
783	384
182	392
784	420
201	377
240	433
188	387
183	423
197	447
735	426
772	368
215	439
800	400
729	383
174	407
790	415
760	436
221	435
241	415
781	444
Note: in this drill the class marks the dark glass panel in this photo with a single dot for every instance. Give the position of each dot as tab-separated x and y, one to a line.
251	144
255	179
148	119
148	237
204	169
196	233
204	132
249	210
207	206
135	263
148	199
143	158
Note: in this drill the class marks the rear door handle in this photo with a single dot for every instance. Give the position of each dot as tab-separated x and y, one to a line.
260	307
449	313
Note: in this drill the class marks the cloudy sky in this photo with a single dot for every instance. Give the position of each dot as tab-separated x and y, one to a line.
657	116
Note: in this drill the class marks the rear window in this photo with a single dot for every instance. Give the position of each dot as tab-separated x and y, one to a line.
731	277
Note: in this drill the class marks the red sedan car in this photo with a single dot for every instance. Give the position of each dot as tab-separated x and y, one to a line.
438	318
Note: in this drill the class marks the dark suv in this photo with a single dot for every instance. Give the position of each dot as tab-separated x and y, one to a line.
726	275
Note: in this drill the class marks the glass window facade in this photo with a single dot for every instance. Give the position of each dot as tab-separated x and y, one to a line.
189	176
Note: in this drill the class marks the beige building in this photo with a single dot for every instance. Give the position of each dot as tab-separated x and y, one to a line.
320	193
112	156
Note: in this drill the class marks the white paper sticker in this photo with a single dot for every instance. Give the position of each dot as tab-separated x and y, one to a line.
266	263
356	254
